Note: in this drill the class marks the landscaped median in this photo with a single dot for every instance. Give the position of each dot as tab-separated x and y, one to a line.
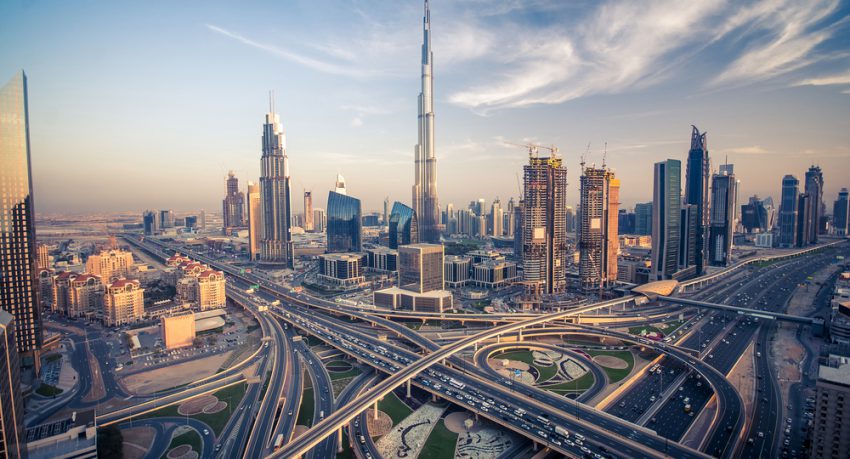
213	409
617	364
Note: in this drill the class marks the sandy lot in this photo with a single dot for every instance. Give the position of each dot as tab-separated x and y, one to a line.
137	441
408	437
611	362
196	405
148	382
378	427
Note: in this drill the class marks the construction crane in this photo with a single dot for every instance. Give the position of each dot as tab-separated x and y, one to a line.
532	148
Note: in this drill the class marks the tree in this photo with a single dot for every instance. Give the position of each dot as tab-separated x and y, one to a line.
110	443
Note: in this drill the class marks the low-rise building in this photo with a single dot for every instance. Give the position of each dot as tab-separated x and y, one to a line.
124	302
87	291
178	330
211	290
494	273
457	270
382	259
341	269
74	437
397	298
764	240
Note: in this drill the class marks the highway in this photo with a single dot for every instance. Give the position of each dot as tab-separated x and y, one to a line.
323	398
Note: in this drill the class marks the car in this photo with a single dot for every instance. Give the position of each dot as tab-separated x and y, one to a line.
206	432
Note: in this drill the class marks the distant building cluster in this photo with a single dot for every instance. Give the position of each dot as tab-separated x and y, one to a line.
197	284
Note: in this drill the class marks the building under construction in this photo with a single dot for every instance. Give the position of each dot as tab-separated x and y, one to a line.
598	241
544	233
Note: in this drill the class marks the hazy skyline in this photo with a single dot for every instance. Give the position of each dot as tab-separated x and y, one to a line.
138	106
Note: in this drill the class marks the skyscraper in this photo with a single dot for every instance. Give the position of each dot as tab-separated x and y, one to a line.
544	232
425	201
688	238
841	213
755	215
233	205
804	220
403	226
722	220
149	222
12	438
308	211
319	220
166	219
386	211
18	283
666	216
788	211
254	220
696	193
339	185
496	218
344	223
420	267
643	218
598	241
275	195
814	188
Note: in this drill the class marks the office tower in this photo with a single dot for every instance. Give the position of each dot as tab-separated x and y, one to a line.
643	218
166	219
339	185
425	201
598	240
43	256
255	223
110	264
722	218
149	222
308	211
666	217
233	205
688	237
12	438
124	302
518	242
804	220
696	193
496	217
831	429
814	188
420	267
626	222
344	223
275	195
319	220
841	213
756	215
570	218
403	226
18	286
386	220
788	211
203	219
544	232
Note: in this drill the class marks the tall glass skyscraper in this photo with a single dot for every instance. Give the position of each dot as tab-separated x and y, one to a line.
233	205
723	202
841	213
696	193
275	195
666	216
643	218
344	223
403	226
18	284
814	188
788	211
12	434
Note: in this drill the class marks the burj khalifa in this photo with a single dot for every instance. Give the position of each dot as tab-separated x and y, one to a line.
425	201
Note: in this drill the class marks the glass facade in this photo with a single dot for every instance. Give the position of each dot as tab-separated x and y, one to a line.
420	267
344	223
403	226
18	286
12	437
666	216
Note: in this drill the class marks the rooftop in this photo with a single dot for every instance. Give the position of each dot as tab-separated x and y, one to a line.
837	372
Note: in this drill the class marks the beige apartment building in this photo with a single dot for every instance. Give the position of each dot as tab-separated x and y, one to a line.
178	331
86	296
110	264
124	302
211	290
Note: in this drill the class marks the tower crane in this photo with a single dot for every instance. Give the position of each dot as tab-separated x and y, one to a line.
532	148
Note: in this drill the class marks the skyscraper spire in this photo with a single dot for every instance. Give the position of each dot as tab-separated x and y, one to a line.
425	201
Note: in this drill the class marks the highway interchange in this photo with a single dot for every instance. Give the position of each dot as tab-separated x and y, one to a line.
604	434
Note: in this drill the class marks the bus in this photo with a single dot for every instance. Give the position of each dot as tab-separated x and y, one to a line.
562	431
278	442
543	420
457	383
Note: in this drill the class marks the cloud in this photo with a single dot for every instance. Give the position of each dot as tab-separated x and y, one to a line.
309	62
842	78
751	150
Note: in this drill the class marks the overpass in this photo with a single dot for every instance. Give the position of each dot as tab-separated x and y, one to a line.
817	324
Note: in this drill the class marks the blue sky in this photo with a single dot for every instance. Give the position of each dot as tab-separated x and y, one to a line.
136	105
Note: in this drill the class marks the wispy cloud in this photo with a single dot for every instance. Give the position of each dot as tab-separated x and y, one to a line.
750	150
306	61
841	78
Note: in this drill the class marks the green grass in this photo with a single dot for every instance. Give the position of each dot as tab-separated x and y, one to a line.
395	408
47	390
577	385
354	371
545	373
307	410
313	341
665	330
190	438
440	444
232	395
616	374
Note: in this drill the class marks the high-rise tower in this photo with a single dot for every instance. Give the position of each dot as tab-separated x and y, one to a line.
544	232
18	283
275	194
425	201
666	218
598	241
788	211
254	220
233	205
814	188
841	213
723	204
308	211
696	193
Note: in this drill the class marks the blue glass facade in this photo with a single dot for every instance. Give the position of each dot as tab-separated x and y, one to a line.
404	227
344	223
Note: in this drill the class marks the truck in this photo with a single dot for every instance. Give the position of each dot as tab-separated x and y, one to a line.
278	442
562	431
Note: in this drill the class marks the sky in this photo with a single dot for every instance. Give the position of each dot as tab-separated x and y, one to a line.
137	105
